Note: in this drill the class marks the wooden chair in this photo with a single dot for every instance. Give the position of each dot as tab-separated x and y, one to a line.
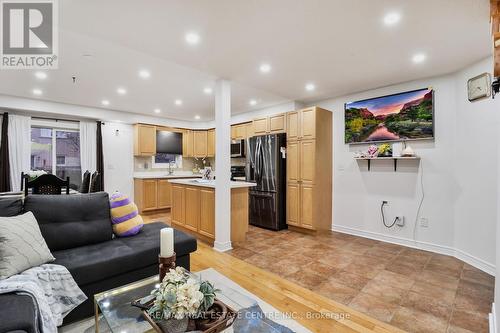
46	184
85	182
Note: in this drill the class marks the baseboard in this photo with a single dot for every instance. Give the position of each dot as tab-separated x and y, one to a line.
222	246
493	319
471	260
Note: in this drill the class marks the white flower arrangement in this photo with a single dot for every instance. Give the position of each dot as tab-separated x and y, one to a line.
181	296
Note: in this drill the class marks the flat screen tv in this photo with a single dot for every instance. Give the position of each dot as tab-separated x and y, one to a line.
169	142
403	116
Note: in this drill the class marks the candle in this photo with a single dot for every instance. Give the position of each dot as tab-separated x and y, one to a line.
166	242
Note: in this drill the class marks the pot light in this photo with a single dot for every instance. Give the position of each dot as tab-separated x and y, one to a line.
265	68
310	87
41	75
197	117
192	38
105	102
37	92
419	58
178	102
207	91
121	91
252	102
157	110
145	74
392	18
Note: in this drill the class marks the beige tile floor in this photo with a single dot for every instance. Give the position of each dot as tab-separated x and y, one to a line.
417	291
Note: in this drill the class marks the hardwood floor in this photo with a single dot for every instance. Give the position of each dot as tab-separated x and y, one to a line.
413	290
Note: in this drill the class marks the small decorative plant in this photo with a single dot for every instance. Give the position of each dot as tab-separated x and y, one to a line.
385	150
180	296
372	151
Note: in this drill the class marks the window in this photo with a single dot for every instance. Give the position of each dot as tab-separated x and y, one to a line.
161	160
57	151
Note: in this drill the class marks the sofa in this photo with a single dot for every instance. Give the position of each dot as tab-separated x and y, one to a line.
78	232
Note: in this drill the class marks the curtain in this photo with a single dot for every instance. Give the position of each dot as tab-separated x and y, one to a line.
4	154
100	157
19	137
88	146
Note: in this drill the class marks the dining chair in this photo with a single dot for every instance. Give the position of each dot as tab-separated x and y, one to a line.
46	184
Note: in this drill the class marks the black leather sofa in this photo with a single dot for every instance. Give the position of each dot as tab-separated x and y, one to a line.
78	231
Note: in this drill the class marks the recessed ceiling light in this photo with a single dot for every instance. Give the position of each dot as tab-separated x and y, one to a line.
178	102
392	18
192	38
121	91
252	102
418	58
41	75
37	92
265	68
197	117
207	90
310	87
105	102
145	74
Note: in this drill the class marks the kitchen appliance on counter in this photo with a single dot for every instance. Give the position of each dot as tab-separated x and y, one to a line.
237	148
238	172
266	166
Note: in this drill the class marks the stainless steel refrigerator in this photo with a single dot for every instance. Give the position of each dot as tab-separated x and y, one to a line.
266	166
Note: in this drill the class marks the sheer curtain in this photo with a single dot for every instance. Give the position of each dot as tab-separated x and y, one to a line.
19	133
88	146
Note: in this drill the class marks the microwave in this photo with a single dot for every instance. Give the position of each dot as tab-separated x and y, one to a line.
237	148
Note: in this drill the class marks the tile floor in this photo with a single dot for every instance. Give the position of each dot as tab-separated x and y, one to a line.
414	290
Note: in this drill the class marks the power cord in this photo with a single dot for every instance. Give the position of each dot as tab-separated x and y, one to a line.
421	202
383	216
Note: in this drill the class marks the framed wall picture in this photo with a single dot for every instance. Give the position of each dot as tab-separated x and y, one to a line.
479	87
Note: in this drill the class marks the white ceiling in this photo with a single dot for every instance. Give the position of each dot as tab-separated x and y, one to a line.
342	46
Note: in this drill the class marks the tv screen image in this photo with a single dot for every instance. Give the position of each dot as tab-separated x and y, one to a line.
403	116
169	142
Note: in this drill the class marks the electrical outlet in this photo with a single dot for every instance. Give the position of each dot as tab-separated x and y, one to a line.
400	221
424	222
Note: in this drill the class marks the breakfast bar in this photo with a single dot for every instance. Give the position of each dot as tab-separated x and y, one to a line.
193	208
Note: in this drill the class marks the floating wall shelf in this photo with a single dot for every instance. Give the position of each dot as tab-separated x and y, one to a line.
395	159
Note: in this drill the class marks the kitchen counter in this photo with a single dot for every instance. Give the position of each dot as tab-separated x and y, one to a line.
165	175
209	183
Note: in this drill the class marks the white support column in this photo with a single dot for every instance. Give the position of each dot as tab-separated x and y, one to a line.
222	166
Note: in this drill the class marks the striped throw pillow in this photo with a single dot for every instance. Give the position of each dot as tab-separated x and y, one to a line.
124	215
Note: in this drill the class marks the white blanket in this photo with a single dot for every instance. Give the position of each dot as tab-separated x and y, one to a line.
53	290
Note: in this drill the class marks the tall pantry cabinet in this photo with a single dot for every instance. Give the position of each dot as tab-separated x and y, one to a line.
309	169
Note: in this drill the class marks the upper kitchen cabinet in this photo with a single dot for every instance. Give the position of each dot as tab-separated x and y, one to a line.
302	124
200	147
144	140
249	129
271	124
211	143
187	143
239	131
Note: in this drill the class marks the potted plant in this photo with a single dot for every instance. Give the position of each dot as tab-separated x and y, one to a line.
385	150
182	303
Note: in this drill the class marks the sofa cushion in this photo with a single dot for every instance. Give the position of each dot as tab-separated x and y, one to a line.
97	262
18	313
69	221
21	245
11	206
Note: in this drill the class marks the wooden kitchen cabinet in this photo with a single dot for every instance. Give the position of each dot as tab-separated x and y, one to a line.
192	208
207	212
261	126
200	144
144	140
249	129
178	202
277	123
309	169
211	143
145	194
187	143
164	194
239	131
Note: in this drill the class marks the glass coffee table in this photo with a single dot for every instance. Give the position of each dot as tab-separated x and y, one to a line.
121	317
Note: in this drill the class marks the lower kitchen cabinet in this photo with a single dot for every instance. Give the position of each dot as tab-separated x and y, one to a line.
178	200
207	212
164	194
153	194
292	204
299	203
192	208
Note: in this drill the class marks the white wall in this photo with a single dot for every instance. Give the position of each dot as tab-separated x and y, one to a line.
459	175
